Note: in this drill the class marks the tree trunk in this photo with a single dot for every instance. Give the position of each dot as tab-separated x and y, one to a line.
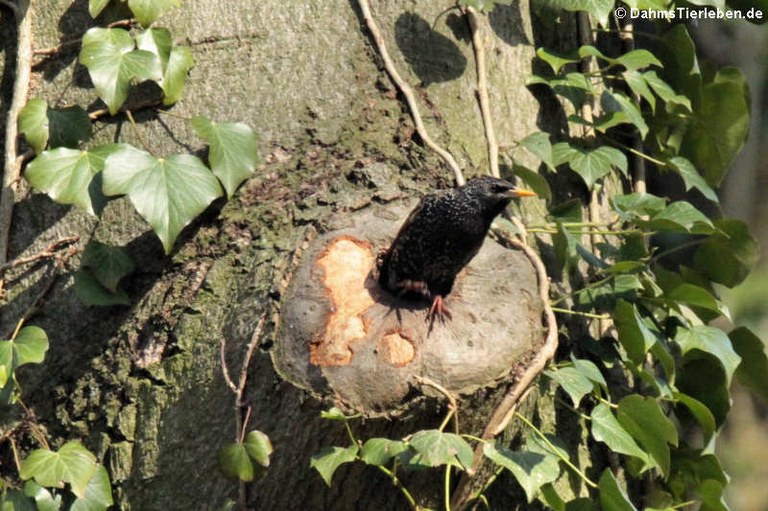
143	384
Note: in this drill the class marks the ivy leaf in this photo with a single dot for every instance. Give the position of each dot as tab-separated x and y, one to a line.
692	178
167	192
335	414
147	11
259	447
720	124
695	296
665	92
114	64
531	469
534	180
643	418
638	59
538	144
713	341
15	500
620	110
234	150
634	334
434	448
90	291
108	264
590	370
379	451
235	462
680	216
600	9
98	493
157	41
330	458
606	429
612	496
179	64
573	382
593	164
96	6
72	464
555	60
639	86
753	370
44	500
33	123
636	205
66	175
700	413
728	255
28	347
68	127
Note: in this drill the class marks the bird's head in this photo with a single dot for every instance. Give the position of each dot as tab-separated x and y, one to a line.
494	192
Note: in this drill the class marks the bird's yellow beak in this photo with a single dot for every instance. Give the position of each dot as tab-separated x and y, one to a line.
518	192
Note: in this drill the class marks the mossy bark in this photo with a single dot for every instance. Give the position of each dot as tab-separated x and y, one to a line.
143	384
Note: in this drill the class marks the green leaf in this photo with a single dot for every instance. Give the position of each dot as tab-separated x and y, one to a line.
44	500
167	192
65	175
538	144
147	11
694	296
606	429
379	451
710	340
634	334
175	76
98	493
15	500
593	164
700	413
692	178
157	41
665	92
96	6
639	86
531	469
434	448
259	447
90	291
72	464
602	10
233	150
555	60
753	370
330	458
68	127
28	347
720	124
107	263
33	123
643	418
680	216
619	109
590	370
573	382
484	5
638	59
727	256
335	414
114	64
612	496
235	462
533	180
636	205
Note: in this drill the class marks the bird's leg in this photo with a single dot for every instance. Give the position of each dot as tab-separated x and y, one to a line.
438	309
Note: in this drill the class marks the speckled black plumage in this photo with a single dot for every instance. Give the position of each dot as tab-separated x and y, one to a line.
441	235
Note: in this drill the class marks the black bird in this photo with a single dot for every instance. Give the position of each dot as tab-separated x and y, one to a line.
440	236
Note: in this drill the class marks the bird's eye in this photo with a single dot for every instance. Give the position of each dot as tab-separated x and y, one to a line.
500	189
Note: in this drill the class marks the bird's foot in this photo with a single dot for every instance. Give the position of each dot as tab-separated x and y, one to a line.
438	310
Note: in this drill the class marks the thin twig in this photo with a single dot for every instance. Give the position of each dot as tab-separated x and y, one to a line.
638	164
12	168
48	252
505	411
482	91
452	403
406	91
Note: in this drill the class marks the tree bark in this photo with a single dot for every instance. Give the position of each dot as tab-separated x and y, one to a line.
143	385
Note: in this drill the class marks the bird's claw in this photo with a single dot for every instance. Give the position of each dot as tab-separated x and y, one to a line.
438	310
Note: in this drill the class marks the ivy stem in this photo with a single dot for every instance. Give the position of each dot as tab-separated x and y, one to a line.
447	488
557	452
406	91
580	313
637	152
585	288
136	130
677	248
482	90
399	485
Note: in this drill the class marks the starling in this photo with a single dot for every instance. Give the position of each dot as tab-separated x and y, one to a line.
440	236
